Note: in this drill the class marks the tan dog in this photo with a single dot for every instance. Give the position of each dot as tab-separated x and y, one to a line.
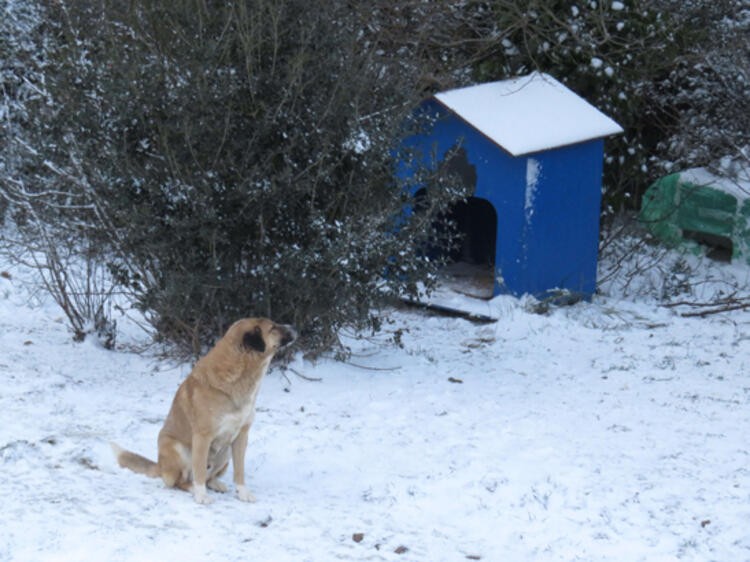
212	412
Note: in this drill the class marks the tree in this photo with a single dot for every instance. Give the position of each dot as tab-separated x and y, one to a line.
674	74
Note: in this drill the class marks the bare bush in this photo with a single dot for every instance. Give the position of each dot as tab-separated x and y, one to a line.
69	269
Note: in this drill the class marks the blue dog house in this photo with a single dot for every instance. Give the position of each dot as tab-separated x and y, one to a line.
530	152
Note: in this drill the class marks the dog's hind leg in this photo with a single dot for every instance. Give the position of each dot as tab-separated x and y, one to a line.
174	463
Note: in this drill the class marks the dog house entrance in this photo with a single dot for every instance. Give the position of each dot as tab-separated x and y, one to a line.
471	263
470	268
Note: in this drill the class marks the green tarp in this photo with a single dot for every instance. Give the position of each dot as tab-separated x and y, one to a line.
696	205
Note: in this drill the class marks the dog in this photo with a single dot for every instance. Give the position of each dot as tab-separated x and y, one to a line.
212	412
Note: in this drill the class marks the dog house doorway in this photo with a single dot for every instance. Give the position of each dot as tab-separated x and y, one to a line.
470	268
471	263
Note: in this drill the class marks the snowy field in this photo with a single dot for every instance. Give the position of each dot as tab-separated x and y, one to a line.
615	430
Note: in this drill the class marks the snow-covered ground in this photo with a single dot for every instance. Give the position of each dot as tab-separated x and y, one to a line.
613	430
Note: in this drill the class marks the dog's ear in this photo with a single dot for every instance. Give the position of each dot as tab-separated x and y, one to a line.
253	340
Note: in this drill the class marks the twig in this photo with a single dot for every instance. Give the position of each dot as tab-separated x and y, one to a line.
288	382
305	377
727	304
372	368
728	308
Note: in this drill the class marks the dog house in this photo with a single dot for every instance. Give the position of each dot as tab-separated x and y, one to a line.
530	152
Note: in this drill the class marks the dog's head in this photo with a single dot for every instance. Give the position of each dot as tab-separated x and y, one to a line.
261	335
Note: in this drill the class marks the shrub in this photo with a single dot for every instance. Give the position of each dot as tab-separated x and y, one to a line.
230	159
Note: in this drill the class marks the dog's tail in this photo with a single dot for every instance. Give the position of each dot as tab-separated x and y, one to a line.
135	462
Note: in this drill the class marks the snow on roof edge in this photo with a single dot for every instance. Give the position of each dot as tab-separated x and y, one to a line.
528	114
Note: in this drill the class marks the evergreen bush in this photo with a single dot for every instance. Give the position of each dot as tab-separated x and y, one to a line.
673	73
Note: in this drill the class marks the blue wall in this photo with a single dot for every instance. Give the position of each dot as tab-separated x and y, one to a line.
562	236
551	243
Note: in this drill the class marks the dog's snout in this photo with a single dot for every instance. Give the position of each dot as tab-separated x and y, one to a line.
288	335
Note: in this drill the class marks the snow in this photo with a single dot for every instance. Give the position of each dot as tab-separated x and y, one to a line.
533	168
529	114
612	430
738	186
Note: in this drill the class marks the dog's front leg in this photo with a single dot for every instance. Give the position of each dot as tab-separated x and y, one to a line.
201	444
238	463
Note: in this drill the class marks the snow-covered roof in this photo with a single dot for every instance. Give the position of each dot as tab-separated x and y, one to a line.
529	114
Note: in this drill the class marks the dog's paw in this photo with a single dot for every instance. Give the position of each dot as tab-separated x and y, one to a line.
200	495
217	486
244	494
